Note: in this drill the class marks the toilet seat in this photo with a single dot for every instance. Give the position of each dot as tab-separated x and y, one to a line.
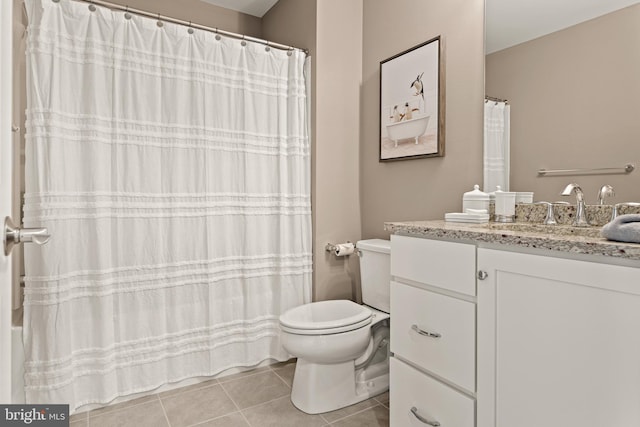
325	317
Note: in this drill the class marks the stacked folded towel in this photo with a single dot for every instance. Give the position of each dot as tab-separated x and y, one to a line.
475	216
625	228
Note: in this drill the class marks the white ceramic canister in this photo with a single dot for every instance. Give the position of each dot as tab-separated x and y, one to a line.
475	199
505	206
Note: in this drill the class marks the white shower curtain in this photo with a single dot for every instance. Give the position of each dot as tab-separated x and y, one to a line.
496	145
173	172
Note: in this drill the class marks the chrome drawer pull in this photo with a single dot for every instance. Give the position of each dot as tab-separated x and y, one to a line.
422	419
425	333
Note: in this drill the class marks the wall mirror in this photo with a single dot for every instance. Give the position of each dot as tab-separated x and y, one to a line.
570	71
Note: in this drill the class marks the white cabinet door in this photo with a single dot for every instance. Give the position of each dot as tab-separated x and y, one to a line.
558	342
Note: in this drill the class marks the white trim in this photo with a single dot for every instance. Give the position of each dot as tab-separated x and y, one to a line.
6	190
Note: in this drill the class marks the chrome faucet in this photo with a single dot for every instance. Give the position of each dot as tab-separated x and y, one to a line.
581	214
605	191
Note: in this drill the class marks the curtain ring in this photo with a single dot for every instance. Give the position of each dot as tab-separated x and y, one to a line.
159	23
56	1
127	15
190	30
92	7
243	42
267	48
290	51
218	36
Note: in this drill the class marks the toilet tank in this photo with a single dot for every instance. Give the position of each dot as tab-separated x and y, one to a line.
375	272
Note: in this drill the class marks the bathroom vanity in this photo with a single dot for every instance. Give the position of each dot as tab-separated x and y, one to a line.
513	325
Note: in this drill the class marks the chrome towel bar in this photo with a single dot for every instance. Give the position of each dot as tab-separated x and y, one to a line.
628	168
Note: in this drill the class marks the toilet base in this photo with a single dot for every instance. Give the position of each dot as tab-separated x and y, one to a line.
319	388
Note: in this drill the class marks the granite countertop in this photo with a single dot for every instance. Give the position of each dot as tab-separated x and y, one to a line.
561	238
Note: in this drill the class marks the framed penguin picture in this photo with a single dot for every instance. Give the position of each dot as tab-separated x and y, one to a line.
412	103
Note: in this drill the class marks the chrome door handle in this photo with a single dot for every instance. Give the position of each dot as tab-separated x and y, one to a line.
414	412
416	329
14	235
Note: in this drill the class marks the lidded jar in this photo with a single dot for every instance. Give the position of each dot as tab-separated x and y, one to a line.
475	199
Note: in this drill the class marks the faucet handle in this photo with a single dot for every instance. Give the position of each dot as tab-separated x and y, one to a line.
551	217
605	191
614	212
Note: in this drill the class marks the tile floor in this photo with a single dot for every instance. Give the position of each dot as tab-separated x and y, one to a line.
258	398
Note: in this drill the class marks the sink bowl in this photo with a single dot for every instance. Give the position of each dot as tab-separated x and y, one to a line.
556	230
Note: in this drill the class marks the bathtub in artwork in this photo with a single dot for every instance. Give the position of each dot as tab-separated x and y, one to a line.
408	129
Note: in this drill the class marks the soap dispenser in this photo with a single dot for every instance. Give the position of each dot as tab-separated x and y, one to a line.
475	199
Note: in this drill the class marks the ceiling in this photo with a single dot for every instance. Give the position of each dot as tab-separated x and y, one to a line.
251	7
511	22
508	22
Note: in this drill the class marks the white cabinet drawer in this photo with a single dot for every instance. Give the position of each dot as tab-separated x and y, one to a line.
452	355
433	400
446	265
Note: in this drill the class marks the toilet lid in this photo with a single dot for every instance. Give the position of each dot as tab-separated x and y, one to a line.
326	316
328	331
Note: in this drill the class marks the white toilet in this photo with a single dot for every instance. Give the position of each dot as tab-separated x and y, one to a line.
343	347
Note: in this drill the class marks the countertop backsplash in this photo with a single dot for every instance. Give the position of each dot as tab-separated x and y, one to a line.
598	215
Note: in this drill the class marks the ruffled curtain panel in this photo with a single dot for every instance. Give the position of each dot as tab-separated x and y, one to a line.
496	145
173	172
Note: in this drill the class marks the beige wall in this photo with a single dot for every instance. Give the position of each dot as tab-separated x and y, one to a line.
332	30
424	188
338	77
575	98
292	22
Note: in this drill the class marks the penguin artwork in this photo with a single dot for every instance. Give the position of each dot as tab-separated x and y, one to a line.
408	115
396	114
417	85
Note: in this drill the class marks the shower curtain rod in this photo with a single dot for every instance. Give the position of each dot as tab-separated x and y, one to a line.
114	6
491	98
